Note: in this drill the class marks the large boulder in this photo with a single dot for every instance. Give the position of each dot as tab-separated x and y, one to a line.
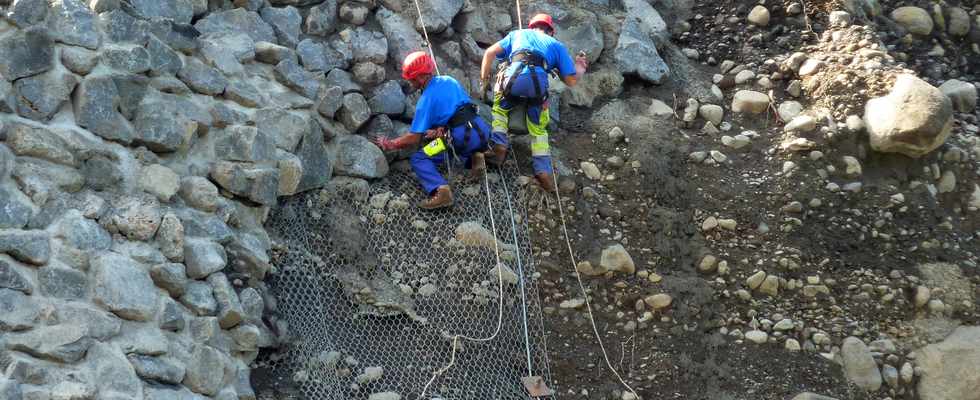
116	376
859	366
202	78
578	28
16	210
62	343
357	157
949	368
963	94
285	127
205	370
72	22
285	21
914	119
387	98
256	182
290	73
32	247
245	143
18	311
161	124
96	105
321	20
11	278
643	31
913	19
238	20
123	287
402	37
181	11
317	162
39	142
439	14
26	53
367	45
226	51
40	96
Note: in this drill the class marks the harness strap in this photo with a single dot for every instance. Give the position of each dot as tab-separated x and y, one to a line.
465	115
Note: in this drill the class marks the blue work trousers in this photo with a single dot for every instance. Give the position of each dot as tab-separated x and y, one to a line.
427	168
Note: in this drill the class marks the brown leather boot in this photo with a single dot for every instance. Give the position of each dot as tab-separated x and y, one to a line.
478	165
443	197
546	181
497	154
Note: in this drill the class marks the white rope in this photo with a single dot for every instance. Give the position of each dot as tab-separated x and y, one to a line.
520	24
500	297
578	277
425	32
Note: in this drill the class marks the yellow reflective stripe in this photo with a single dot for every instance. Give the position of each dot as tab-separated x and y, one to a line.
540	146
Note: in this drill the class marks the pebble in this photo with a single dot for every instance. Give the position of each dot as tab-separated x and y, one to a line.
654	278
922	296
759	16
793	207
948	182
708	264
907	373
591	170
853	166
853	187
795	88
770	286
727	224
816	155
658	301
572	303
718	156
890	374
754	281
784	325
616	135
735	142
936	306
757	336
709	224
801	123
744	76
792	345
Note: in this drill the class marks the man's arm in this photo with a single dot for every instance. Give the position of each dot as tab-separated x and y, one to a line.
401	142
581	64
488	57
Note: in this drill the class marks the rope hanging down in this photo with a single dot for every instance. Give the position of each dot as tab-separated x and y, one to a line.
520	24
425	32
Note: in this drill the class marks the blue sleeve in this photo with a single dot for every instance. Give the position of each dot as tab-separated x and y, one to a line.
506	43
565	65
423	114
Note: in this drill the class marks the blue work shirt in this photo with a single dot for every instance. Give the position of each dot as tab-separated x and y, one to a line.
440	100
553	51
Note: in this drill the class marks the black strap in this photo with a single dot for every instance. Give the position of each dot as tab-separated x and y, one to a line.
465	115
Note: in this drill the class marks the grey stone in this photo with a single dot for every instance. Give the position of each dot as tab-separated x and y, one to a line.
316	56
244	94
369	73
25	13
246	337
369	46
322	18
161	126
39	142
83	233
132	90
354	13
11	278
331	98
252	304
40	96
199	298
959	21
355	111
181	11
79	60
859	365
116	377
7	102
248	254
271	53
171	85
163	59
402	37
205	370
101	6
290	172
159	181
914	19
360	158
130	58
244	143
257	182
138	218
172	317
18	311
26	53
180	37
439	14
141	252
642	32
230	311
170	277
201	224
101	172
948	367
32	247
143	339
200	193
203	257
202	78
286	22
72	22
61	343
962	94
157	369
343	79
286	127
6	157
226	51
290	73
62	283
120	27
388	99
123	287
223	116
10	389
96	104
237	20
40	179
96	323
914	119
170	238
317	163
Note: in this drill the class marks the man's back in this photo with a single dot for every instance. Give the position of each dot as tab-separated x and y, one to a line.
553	51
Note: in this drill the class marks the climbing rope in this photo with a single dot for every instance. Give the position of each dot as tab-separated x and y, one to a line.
520	24
425	32
500	296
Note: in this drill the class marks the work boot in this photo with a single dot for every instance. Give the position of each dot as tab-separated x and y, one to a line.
478	165
443	197
546	181
498	154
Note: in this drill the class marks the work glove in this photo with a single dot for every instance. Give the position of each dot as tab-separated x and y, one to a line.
581	63
439	132
384	143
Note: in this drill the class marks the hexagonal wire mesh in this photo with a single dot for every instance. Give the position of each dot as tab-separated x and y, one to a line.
370	280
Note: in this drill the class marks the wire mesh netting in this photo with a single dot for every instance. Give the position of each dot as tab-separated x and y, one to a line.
369	280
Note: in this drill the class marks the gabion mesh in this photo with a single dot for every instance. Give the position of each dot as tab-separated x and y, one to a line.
370	280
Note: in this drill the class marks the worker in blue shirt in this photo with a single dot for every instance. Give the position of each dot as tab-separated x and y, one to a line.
532	54
444	115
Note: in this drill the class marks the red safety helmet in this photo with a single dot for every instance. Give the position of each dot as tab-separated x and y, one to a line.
417	63
542	19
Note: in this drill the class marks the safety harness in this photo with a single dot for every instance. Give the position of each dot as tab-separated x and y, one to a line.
527	59
465	115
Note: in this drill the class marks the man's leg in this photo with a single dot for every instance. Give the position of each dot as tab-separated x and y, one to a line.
538	118
498	133
433	183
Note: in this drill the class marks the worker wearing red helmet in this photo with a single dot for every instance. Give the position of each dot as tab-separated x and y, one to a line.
532	54
446	116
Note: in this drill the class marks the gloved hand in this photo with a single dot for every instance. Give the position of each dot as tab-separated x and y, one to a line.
484	86
435	133
384	143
